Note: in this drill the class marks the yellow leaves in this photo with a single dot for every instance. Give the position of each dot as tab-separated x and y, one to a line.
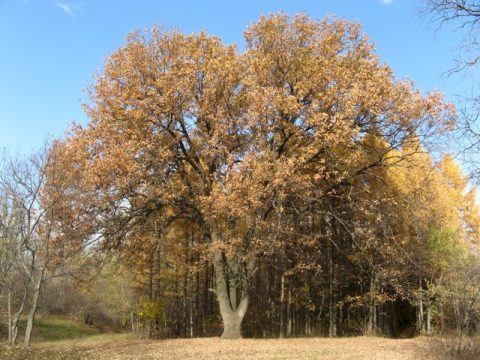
434	198
453	174
151	309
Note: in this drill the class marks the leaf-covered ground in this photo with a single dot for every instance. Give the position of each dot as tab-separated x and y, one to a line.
123	347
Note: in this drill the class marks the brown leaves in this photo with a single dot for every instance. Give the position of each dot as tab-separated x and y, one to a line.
233	141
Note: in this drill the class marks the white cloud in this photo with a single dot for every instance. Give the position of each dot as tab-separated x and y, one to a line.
67	9
387	2
71	7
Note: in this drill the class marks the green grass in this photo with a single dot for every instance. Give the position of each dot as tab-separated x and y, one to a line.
49	329
53	328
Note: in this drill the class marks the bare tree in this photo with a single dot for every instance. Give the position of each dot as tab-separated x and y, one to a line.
20	186
33	241
464	16
10	248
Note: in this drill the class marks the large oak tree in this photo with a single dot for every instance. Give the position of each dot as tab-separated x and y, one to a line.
185	129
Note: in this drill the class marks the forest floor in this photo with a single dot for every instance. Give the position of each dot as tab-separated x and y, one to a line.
121	346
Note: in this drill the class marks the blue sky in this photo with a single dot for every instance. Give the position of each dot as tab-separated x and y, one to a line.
51	49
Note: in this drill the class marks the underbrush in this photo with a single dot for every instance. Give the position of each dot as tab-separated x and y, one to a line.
447	348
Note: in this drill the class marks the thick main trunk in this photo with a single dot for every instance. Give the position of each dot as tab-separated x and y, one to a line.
232	325
232	315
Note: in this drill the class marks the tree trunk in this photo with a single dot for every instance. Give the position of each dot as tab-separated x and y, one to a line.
9	311
289	310
16	319
132	322
232	315
459	319
420	311
33	311
371	323
282	306
232	324
429	320
332	311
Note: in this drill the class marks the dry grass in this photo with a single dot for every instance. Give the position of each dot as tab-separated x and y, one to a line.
123	347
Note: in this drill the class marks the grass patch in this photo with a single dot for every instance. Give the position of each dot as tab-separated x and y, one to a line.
54	328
